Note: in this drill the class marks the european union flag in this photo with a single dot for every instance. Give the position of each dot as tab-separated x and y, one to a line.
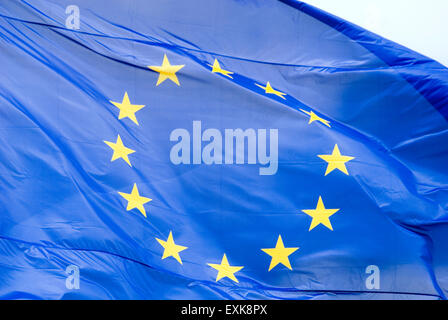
221	149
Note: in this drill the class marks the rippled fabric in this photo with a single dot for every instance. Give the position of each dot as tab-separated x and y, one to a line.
63	201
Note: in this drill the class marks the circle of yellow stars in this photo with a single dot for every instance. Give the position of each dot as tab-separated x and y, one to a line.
279	254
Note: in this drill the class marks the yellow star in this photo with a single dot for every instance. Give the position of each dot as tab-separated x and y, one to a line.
127	110
225	270
280	254
268	89
120	151
216	68
321	215
167	71
315	117
135	200
171	249
336	161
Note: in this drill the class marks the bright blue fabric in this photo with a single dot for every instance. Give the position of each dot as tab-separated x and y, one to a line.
60	206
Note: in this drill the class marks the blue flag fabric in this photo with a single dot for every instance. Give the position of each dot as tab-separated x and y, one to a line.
217	150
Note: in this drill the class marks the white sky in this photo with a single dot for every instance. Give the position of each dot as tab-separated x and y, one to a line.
419	25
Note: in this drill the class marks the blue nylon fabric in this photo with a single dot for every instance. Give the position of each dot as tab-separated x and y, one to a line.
59	189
